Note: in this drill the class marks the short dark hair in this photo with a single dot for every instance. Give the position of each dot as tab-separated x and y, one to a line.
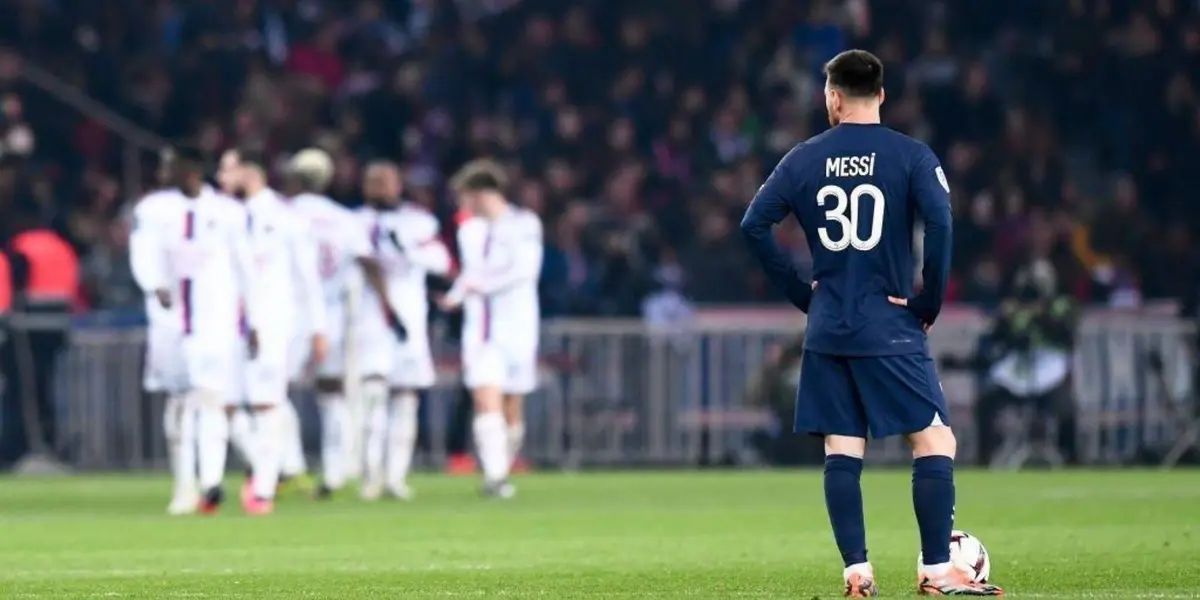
479	175
857	73
252	157
186	153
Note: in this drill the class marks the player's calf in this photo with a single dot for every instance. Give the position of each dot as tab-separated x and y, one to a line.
491	435
844	504
375	408
402	441
179	428
514	417
212	443
933	495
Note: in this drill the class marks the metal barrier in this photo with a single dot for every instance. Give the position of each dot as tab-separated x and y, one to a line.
617	393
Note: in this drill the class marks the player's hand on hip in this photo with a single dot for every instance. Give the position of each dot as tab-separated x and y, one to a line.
319	350
163	295
925	326
252	343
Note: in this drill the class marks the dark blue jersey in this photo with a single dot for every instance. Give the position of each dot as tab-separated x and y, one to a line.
858	191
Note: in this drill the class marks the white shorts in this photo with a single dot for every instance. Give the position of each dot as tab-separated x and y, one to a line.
265	377
299	354
213	364
375	352
412	364
514	371
165	370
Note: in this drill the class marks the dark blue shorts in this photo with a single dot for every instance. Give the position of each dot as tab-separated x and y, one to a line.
877	395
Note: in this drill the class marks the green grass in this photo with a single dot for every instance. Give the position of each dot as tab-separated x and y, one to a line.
719	535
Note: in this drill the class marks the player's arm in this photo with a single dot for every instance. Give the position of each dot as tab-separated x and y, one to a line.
768	208
525	265
359	246
429	253
306	273
244	271
148	256
931	194
458	290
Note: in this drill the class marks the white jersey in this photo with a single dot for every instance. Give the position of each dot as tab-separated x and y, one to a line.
150	259
199	250
340	242
286	265
501	263
405	242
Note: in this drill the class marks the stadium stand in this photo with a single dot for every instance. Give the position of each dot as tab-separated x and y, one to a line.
639	130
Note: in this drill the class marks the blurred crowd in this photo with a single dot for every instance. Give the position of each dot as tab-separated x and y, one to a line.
639	130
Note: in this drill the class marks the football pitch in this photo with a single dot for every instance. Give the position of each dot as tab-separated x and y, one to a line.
655	535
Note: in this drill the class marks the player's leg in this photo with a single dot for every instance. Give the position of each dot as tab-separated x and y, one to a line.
412	370
401	442
165	380
376	356
266	392
292	465
514	419
521	373
904	397
179	426
331	403
375	392
484	372
828	405
212	372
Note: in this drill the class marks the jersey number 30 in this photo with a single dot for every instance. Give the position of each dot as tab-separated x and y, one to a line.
849	224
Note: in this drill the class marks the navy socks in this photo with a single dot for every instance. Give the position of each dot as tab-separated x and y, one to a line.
933	503
844	501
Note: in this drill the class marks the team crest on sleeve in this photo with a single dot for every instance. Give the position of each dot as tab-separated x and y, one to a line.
941	175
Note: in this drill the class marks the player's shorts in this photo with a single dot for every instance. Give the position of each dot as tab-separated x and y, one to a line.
334	365
513	370
213	364
877	395
165	369
412	364
374	351
265	377
298	356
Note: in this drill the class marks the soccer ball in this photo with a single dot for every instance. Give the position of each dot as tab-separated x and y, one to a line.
968	555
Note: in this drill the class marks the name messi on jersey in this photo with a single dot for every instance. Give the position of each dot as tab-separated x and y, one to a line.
850	166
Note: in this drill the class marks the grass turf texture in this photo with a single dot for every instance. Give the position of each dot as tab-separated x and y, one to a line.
718	535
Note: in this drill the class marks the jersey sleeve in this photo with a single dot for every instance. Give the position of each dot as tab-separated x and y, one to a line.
930	193
356	241
458	291
525	265
243	262
147	254
427	251
305	267
769	207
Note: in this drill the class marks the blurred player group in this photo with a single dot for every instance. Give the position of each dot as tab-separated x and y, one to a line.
252	295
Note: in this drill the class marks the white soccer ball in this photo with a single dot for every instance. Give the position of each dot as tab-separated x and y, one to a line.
968	555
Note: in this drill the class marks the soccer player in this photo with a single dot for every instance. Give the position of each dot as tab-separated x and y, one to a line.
165	371
212	270
406	243
286	264
500	249
858	190
343	254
